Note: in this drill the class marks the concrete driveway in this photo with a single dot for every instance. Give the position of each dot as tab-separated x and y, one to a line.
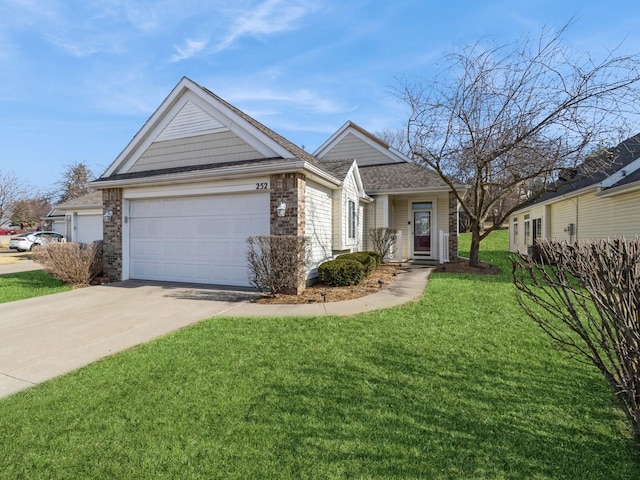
41	338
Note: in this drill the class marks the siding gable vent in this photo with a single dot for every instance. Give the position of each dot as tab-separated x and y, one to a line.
190	121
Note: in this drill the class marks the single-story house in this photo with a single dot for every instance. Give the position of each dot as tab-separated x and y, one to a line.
586	206
201	176
79	219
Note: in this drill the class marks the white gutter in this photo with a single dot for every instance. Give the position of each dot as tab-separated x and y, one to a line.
286	166
620	174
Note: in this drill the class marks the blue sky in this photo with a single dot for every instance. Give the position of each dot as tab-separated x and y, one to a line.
78	78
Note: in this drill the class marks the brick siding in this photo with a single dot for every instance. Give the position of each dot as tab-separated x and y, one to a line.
453	227
112	234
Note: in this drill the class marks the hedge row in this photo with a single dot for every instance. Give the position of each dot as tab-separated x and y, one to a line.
348	269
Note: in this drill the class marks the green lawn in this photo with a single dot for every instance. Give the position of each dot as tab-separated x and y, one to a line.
18	286
459	385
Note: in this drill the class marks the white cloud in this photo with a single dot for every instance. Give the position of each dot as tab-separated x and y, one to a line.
77	49
191	48
272	16
303	99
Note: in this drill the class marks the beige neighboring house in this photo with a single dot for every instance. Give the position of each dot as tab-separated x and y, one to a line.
79	220
605	204
201	176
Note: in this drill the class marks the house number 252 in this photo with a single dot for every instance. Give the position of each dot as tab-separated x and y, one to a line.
262	186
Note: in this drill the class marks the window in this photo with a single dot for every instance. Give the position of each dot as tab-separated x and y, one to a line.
537	230
351	226
515	230
527	230
422	205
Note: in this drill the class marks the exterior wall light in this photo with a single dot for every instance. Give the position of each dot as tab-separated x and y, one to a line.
108	215
281	209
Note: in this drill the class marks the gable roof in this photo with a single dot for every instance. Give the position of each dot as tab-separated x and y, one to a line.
88	200
394	177
400	177
350	128
206	112
342	169
618	167
393	173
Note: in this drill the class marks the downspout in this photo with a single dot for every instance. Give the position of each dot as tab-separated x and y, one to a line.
575	229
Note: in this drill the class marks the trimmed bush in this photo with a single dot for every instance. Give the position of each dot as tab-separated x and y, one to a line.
74	264
341	272
376	256
369	260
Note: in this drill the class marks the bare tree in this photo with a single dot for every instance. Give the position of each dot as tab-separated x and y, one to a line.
383	240
394	138
11	190
74	181
586	298
500	118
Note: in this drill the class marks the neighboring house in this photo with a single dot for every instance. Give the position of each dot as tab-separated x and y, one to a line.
79	219
201	176
603	204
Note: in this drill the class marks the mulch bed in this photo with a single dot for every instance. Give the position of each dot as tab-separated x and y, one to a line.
387	273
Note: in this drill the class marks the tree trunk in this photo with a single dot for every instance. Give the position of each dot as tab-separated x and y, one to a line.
474	251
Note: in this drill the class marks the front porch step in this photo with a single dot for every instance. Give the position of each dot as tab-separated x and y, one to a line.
423	262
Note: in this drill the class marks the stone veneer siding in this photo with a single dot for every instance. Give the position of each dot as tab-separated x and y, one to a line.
290	189
112	234
453	227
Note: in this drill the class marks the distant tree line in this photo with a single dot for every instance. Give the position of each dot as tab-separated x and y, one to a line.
22	206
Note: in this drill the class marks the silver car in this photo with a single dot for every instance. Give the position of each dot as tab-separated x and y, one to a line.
27	241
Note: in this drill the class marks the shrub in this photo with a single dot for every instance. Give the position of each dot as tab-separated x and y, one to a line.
369	260
277	262
376	256
74	264
341	272
383	240
585	296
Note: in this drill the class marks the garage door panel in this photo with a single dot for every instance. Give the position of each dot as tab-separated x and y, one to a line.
198	239
89	228
204	226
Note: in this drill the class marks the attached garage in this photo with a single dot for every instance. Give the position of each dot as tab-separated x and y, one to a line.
88	228
199	239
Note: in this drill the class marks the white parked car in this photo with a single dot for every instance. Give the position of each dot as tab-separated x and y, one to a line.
27	241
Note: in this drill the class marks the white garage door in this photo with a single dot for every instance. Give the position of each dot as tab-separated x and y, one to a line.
88	228
195	239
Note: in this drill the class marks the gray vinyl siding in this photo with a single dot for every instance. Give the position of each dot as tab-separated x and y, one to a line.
398	220
318	225
369	223
352	147
196	150
341	198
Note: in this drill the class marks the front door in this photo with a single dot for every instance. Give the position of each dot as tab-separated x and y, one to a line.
422	232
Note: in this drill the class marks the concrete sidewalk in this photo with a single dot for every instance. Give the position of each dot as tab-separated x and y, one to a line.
43	337
20	265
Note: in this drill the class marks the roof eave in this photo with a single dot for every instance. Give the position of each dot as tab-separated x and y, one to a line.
407	191
222	173
619	190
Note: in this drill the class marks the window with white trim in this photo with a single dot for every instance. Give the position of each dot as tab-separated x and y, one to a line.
351	220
